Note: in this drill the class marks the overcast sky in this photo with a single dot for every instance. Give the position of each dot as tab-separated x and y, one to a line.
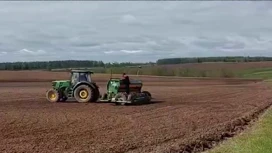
133	31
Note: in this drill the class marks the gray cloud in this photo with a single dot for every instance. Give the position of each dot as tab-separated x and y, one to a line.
128	31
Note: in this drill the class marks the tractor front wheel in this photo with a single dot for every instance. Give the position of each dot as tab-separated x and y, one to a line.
83	94
52	95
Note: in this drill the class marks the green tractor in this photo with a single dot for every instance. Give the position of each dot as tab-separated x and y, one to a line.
80	86
116	92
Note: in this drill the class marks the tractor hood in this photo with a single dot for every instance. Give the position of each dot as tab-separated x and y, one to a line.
61	83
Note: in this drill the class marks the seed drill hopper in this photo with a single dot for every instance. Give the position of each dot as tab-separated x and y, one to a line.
116	92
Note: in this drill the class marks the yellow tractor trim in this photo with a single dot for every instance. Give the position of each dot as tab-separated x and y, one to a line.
83	94
52	96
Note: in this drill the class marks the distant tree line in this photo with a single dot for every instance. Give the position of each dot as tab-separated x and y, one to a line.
212	59
48	65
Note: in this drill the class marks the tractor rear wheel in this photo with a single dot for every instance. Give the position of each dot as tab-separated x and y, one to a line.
52	95
148	95
96	95
84	94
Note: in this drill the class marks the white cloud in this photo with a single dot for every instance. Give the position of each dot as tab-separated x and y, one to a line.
128	18
131	51
3	53
109	52
72	52
30	52
124	51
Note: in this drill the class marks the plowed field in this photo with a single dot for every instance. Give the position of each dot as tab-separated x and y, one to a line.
184	112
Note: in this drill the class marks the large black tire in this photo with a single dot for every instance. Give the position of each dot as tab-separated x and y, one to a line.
84	94
96	95
52	95
148	96
147	93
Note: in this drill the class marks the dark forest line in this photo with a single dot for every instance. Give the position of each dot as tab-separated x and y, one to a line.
48	65
212	59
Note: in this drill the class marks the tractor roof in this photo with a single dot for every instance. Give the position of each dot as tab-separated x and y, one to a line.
82	71
115	79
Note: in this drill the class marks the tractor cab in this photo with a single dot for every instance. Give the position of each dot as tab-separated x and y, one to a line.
80	76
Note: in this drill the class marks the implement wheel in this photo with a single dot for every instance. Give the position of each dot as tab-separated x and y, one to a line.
83	94
148	95
52	95
132	97
120	97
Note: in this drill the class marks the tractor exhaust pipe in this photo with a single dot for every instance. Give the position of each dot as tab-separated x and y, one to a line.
110	73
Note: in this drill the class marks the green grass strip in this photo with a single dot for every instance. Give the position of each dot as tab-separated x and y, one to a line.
258	139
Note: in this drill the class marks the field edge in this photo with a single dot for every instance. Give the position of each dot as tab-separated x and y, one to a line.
248	134
206	142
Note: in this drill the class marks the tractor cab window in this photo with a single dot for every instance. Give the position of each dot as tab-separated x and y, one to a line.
74	78
89	78
83	77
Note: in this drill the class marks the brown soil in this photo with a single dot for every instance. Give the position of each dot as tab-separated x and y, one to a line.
186	113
